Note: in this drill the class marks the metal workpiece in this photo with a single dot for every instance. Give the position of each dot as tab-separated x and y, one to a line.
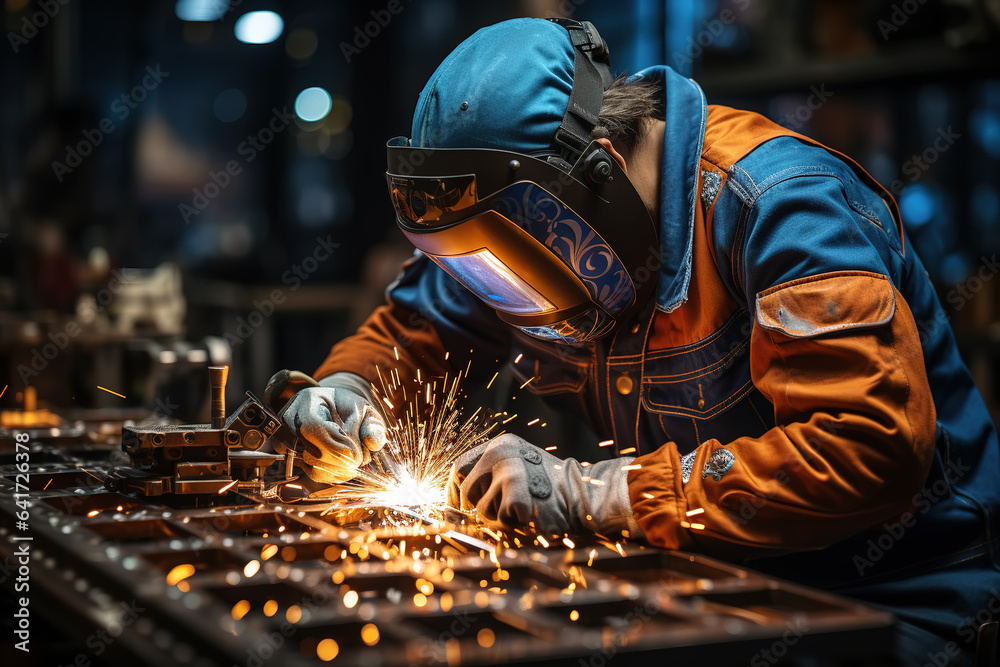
198	459
267	583
217	384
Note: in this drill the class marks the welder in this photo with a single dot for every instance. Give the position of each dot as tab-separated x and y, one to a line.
733	304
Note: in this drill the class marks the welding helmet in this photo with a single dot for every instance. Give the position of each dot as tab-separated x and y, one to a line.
503	187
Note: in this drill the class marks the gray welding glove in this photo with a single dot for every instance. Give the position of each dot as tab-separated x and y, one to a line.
514	484
338	425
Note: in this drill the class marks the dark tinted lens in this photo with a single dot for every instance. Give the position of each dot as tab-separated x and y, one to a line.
431	202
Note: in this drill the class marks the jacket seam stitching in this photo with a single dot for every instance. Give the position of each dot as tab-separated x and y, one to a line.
684	349
708	370
681	411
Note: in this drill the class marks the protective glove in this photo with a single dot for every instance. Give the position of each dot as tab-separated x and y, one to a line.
338	424
513	483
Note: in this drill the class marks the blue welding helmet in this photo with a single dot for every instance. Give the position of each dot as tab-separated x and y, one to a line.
515	200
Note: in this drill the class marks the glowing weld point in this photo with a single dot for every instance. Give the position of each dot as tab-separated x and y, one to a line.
606	443
695	511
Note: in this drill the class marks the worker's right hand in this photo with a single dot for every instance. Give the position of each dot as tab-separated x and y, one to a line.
337	425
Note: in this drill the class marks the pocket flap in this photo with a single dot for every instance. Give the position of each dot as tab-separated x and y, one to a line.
828	302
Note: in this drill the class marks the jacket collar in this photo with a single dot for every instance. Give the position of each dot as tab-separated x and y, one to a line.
686	114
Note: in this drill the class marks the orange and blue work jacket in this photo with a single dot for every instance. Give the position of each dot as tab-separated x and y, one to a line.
794	395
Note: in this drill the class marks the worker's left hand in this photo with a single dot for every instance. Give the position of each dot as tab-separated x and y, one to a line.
514	484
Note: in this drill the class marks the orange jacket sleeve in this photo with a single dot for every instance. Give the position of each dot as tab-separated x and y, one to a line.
371	351
427	314
839	357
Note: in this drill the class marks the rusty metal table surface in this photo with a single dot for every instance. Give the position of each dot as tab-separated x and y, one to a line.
131	581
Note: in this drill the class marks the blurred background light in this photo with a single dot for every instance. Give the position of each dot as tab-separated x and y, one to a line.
313	104
201	10
955	268
916	204
230	105
985	205
261	27
985	126
301	43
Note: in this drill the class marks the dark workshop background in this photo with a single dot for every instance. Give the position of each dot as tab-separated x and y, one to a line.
145	140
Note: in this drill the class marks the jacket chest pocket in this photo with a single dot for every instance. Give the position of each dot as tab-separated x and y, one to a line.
704	390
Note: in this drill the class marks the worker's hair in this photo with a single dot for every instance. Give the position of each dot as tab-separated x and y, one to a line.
626	110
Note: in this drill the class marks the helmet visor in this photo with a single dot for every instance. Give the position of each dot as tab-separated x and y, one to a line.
436	206
494	282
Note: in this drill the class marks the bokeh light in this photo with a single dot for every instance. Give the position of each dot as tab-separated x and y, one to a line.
261	27
201	10
313	104
230	105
